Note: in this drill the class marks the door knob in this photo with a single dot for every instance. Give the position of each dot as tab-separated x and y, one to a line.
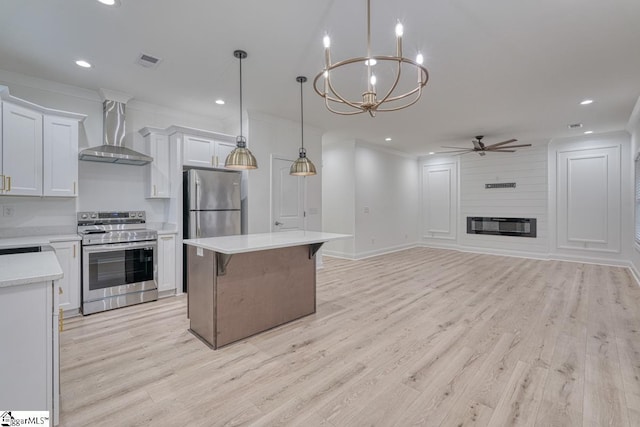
279	223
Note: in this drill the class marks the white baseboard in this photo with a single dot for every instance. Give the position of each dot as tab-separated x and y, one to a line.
369	254
634	272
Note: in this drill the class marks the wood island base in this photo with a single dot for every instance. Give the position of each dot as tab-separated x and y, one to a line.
253	292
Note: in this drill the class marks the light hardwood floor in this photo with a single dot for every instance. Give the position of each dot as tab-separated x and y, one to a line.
419	337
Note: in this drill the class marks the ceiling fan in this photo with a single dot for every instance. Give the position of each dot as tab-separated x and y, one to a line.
481	149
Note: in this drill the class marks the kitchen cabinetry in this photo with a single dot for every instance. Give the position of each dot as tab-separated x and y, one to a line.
166	264
21	151
159	170
68	254
38	149
29	333
60	160
205	152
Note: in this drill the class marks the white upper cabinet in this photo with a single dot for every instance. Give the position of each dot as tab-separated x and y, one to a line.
21	151
206	152
223	149
199	151
60	166
38	149
159	170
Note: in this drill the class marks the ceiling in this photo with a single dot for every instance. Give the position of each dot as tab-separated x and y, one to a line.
501	68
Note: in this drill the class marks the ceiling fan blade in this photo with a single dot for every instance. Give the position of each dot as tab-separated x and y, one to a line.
459	148
501	143
502	151
455	151
509	146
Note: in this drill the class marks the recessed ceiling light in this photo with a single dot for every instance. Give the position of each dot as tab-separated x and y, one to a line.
220	101
387	139
82	63
110	2
586	102
588	132
431	153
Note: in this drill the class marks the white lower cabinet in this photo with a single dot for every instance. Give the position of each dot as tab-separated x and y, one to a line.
29	334
68	287
166	263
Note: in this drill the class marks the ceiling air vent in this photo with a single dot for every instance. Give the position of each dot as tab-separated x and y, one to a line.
575	126
147	61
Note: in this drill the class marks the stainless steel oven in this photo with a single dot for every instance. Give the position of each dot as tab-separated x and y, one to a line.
119	260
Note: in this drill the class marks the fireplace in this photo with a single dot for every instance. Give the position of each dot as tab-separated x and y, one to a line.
519	227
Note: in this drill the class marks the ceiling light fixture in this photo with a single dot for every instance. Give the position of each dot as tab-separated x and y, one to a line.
587	102
110	2
431	153
302	166
220	101
387	139
339	104
82	63
588	132
241	157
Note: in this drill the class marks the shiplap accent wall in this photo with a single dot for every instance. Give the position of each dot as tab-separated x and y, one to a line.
527	167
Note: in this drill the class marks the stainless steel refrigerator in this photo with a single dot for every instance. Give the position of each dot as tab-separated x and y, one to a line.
212	205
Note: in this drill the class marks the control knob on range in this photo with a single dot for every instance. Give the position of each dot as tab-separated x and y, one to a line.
140	214
94	215
84	216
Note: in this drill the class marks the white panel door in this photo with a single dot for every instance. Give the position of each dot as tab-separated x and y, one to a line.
287	197
198	151
60	163
439	191
589	199
21	150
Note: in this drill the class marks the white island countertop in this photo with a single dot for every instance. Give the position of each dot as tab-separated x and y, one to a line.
33	267
263	241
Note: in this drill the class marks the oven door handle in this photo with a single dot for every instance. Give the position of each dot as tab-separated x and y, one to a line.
119	246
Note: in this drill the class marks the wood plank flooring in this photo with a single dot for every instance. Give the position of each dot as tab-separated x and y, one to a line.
419	337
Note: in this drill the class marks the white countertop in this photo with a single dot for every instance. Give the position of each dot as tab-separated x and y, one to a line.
17	242
34	267
263	241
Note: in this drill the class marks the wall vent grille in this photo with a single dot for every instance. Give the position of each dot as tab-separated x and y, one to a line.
501	185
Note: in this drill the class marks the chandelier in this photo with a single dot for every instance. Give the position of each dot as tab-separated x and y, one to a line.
371	102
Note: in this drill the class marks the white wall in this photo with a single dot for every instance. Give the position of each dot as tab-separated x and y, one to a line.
339	195
101	186
629	240
611	244
527	167
268	136
387	200
371	193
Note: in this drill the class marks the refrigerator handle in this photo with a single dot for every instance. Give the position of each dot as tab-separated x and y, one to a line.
197	195
197	224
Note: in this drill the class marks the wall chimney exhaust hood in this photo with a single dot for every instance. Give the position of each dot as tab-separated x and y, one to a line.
113	149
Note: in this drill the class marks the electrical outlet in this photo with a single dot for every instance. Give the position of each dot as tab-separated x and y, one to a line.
8	211
366	209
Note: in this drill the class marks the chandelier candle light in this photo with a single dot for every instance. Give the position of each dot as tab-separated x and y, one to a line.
302	166
370	102
241	157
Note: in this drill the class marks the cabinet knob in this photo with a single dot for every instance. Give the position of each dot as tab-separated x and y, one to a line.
60	290
2	179
8	185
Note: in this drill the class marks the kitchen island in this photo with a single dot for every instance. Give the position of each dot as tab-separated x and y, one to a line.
241	285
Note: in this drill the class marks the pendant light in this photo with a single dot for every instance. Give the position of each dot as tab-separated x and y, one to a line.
302	166
240	157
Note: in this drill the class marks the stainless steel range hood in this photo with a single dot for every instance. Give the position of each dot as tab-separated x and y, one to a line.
113	149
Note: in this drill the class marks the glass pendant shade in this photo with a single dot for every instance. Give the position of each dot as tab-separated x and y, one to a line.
241	158
302	166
